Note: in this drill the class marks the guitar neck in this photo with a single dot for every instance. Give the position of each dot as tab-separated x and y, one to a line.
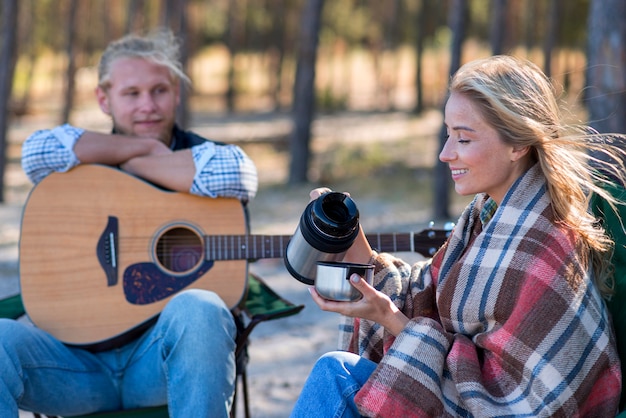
253	247
393	242
245	247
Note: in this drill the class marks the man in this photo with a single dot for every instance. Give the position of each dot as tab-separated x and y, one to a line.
187	358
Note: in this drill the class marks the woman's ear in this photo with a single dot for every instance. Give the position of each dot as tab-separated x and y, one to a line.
519	153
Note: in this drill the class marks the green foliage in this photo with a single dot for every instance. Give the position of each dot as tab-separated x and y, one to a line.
479	18
442	37
212	28
356	22
340	162
327	101
573	27
271	28
260	19
348	20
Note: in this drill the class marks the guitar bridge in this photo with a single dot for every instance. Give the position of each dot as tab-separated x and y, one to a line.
106	250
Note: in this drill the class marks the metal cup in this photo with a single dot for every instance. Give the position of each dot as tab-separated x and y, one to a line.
332	280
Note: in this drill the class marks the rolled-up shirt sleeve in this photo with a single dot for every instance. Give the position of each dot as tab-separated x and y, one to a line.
223	171
50	150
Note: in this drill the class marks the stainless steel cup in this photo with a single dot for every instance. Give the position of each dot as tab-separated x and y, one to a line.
332	280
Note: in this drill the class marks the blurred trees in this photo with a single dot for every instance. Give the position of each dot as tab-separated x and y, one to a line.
498	26
268	30
262	43
458	25
606	69
304	91
70	53
8	29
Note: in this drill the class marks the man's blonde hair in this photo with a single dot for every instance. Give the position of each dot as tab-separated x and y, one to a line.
160	47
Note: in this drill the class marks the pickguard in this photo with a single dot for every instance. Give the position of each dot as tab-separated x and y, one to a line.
146	283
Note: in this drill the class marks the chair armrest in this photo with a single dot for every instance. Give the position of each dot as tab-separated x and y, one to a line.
11	307
262	301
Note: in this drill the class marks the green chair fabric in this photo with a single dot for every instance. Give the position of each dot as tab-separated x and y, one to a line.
260	304
262	301
615	227
155	412
11	307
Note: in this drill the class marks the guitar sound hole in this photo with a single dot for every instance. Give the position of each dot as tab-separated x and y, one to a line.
179	250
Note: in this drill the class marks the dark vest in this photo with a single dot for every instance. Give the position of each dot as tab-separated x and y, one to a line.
187	139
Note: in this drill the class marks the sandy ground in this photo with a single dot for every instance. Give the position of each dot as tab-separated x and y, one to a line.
282	352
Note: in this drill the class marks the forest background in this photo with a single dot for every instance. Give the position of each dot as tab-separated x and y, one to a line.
300	62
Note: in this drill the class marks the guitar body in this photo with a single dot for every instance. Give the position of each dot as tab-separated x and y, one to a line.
102	252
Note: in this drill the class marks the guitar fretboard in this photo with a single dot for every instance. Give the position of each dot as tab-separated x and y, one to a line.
391	242
245	247
252	247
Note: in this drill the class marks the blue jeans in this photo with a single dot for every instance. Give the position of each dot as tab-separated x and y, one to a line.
330	388
186	360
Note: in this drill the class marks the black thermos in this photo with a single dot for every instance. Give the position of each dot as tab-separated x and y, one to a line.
328	227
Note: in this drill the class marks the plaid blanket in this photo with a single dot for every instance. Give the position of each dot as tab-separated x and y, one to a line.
505	322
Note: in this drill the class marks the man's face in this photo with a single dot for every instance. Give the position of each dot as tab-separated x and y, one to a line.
141	98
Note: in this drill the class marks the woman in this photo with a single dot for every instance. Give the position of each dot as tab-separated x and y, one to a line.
507	319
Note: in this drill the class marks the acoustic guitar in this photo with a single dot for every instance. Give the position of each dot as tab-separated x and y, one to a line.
101	252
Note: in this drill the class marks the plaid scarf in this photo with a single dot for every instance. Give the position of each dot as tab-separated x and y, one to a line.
505	322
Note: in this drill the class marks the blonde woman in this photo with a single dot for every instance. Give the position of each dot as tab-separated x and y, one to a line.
508	318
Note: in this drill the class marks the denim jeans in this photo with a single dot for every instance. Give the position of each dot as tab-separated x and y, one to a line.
330	388
186	360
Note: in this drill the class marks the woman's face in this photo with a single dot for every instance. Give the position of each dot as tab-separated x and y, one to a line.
478	159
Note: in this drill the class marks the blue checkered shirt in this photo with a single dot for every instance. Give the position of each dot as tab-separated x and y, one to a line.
222	170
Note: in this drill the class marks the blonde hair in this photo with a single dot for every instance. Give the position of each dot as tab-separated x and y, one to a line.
160	46
517	99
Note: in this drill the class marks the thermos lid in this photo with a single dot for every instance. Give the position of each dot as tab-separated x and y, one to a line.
335	214
328	227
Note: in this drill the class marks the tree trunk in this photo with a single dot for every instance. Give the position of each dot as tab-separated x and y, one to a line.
8	29
424	13
277	51
529	28
390	44
442	181
304	91
498	23
135	21
606	68
21	105
550	39
234	38
70	80
174	16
